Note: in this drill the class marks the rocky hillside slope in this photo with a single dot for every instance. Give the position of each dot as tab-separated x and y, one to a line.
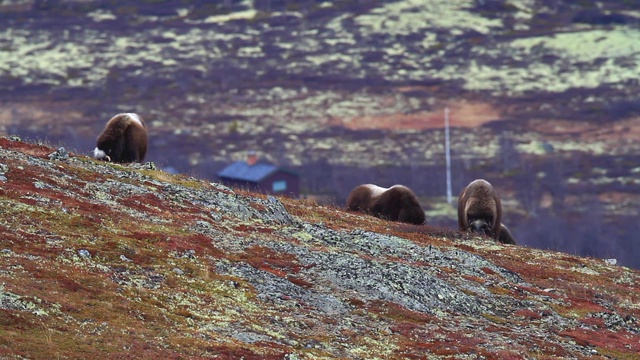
106	261
543	97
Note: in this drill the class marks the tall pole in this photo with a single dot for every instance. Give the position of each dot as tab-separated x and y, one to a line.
447	149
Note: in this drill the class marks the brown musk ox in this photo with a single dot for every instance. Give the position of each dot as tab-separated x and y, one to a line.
480	211
123	140
397	203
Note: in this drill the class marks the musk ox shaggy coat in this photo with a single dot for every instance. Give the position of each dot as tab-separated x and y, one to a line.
123	140
397	203
480	211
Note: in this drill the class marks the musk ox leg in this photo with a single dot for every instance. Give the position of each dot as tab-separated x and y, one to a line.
412	216
412	212
504	235
136	143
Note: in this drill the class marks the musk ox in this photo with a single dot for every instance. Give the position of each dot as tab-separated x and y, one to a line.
480	211
123	140
397	203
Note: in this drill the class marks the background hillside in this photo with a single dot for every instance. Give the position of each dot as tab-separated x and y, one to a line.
113	262
543	97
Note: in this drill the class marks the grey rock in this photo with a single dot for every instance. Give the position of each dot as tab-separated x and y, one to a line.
278	211
221	187
414	288
251	337
39	185
60	154
277	289
10	301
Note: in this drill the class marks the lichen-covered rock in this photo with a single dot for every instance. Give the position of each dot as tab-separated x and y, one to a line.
60	154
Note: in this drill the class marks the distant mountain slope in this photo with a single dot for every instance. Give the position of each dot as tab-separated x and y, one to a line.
214	71
126	261
310	81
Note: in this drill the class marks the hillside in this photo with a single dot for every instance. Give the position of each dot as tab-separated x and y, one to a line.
543	97
108	261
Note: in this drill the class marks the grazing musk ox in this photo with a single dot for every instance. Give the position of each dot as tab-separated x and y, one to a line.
123	140
397	203
480	211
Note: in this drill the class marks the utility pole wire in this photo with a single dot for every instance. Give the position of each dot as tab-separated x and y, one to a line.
447	147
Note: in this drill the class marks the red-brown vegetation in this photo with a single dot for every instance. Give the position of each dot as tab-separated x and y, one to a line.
119	274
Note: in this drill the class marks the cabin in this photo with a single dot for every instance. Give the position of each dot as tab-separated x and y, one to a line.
261	177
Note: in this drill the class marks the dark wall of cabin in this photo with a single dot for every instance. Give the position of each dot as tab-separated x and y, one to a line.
240	184
293	183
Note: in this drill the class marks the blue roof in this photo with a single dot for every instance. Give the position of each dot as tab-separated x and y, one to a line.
240	170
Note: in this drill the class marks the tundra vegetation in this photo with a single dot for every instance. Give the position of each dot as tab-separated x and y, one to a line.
103	260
